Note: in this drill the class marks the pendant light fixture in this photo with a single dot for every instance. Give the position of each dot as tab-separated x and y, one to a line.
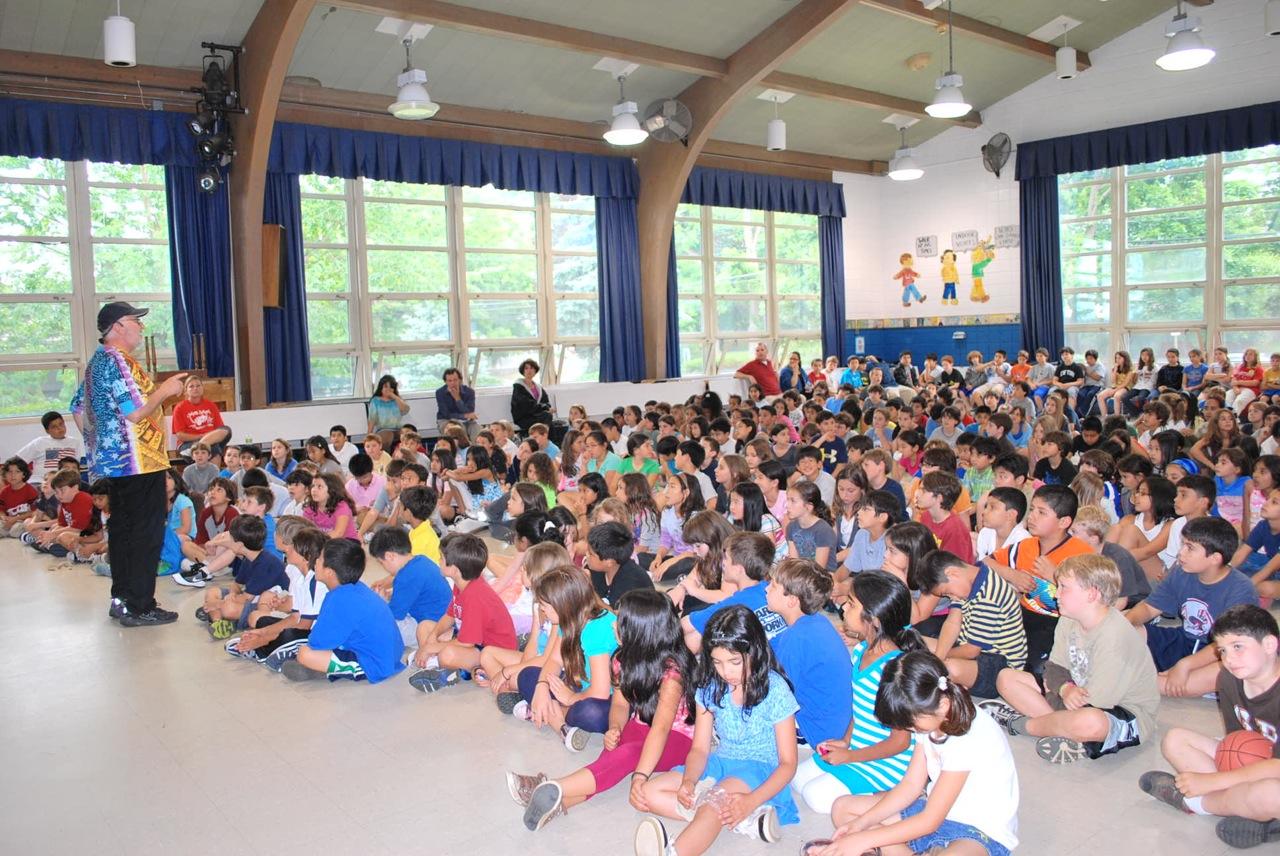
775	137
625	128
119	46
1185	50
903	166
948	101
412	101
1065	59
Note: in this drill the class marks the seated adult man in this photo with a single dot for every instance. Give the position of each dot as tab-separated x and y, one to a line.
762	372
456	402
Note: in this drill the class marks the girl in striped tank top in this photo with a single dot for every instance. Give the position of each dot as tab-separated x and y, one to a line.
871	758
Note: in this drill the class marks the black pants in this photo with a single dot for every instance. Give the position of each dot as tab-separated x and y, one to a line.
135	537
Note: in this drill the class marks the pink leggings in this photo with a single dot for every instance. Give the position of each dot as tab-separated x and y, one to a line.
614	765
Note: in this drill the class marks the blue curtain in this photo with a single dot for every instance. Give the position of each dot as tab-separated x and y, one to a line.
618	268
43	129
1042	321
673	314
831	254
1181	136
285	329
200	260
730	189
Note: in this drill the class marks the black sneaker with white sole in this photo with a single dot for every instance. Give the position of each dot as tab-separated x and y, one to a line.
153	617
116	610
195	578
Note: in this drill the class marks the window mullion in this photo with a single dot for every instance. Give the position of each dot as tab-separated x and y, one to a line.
545	303
1214	295
83	288
1119	247
359	310
459	314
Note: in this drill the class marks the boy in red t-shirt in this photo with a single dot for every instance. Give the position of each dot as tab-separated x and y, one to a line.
17	498
936	497
60	535
476	612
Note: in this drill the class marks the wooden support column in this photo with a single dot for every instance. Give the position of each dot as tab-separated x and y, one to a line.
268	49
665	167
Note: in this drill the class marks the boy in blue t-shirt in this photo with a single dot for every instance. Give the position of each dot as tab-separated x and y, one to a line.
1259	555
254	570
1199	588
355	638
416	589
810	650
747	558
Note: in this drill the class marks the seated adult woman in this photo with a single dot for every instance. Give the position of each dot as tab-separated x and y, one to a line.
386	410
529	401
196	420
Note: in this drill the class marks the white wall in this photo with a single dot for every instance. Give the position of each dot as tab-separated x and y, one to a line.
1123	87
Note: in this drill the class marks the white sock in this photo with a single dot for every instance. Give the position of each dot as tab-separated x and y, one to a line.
1196	804
433	662
184	565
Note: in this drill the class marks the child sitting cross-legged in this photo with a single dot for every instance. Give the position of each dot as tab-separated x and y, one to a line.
1100	684
747	559
273	639
354	638
255	570
17	498
58	534
414	587
254	502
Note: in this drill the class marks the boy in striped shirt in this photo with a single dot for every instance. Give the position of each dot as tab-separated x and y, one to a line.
985	634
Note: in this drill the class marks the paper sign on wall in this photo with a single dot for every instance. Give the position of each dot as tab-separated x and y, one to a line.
926	246
859	344
964	241
1007	236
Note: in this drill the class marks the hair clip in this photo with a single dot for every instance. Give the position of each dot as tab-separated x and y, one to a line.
908	626
942	682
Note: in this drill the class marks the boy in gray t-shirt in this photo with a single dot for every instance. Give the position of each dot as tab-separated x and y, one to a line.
197	477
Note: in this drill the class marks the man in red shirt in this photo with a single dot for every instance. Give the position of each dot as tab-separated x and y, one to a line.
763	372
198	421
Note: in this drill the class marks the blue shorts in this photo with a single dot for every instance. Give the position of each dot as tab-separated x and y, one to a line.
949	832
1168	645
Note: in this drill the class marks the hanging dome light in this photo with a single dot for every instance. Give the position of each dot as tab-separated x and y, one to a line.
1185	50
625	128
949	102
903	166
412	101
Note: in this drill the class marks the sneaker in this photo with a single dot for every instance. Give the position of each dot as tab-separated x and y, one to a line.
295	671
222	629
521	786
546	803
202	614
1242	832
102	569
1002	713
193	578
762	824
231	649
151	618
1059	750
651	838
1159	784
507	702
575	739
116	610
520	710
27	538
430	680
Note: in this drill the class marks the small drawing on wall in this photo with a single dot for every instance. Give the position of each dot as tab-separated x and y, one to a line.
963	242
1007	236
950	276
926	246
908	277
980	257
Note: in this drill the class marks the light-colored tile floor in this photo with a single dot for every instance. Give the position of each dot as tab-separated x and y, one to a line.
155	741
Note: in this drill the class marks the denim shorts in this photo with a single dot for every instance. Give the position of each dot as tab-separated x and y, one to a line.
949	832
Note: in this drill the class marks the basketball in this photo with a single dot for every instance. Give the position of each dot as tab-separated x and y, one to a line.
1240	748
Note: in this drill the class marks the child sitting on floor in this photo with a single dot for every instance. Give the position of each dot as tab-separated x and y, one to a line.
255	570
274	639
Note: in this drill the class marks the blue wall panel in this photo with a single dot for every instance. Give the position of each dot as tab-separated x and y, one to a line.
888	343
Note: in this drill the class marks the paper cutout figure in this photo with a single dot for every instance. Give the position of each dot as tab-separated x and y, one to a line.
981	256
950	276
908	277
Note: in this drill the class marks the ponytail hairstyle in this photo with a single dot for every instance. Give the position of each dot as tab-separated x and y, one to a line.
308	542
541	558
738	469
710	529
480	459
318	442
753	507
886	605
737	629
810	495
537	526
914	685
638	497
569	592
775	472
568	524
693	501
916	541
531	495
1163	492
650	645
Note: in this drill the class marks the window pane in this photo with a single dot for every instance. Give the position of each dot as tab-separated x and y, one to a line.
734	354
405	225
1251	181
735	240
333	377
1082	340
1178	227
501	272
741	316
20	167
1252	154
324	221
1086	272
158	322
320	184
414	372
575	274
403	190
577	318
798	244
689	211
1251	221
496	229
693	359
325	270
1164	266
741	215
36	328
578	203
689	276
781	218
328	322
799	315
579	363
1090	200
131	269
1266	342
37	210
798	279
489	195
1087	307
573	232
1261	300
1085	237
1161	166
119	213
498	368
1166	304
418	320
30	392
688	238
1160	340
690	316
27	268
124	173
1166	191
1240	261
408	270
504	319
740	278
1087	175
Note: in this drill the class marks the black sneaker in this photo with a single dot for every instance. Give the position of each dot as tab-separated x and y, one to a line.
1241	832
116	610
153	617
195	578
202	614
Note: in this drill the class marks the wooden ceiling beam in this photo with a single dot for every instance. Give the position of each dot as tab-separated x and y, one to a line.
860	97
